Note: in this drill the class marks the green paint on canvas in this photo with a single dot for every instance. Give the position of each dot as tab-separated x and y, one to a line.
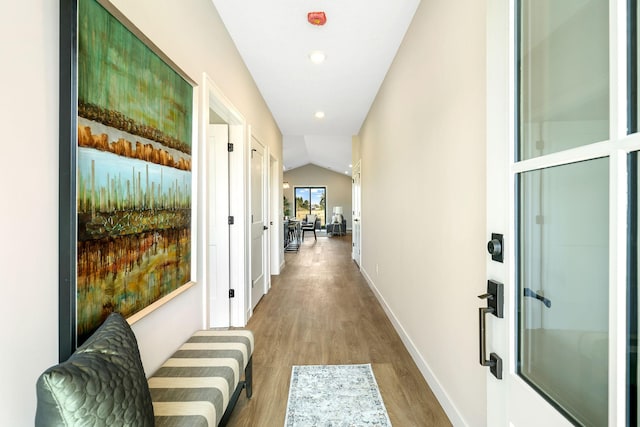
118	74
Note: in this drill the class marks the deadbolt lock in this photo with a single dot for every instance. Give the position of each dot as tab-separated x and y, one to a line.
495	247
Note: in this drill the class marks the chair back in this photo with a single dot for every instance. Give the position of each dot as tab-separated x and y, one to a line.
311	219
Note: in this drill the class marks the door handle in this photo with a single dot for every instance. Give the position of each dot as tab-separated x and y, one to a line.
483	335
530	293
264	227
494	297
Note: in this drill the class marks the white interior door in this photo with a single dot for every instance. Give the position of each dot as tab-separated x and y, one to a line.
356	202
276	243
258	222
557	186
218	275
228	172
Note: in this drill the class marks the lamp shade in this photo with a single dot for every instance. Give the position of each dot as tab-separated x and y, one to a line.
337	210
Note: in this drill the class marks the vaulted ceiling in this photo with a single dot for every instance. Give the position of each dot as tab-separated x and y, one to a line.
359	41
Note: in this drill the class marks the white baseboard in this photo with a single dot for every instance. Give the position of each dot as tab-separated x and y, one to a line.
443	398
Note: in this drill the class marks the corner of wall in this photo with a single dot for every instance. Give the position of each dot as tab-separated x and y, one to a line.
355	149
449	406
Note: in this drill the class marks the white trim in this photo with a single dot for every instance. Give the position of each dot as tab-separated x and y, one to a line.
452	411
617	287
265	239
618	207
573	155
275	216
500	75
236	198
617	69
239	234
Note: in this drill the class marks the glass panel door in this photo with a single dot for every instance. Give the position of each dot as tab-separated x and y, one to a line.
563	292
562	222
563	75
562	130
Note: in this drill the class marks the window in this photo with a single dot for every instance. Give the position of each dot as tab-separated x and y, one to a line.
311	200
563	213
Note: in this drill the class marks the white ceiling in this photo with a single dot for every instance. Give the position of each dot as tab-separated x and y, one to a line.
360	40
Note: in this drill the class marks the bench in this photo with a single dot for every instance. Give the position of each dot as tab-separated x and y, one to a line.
192	388
103	382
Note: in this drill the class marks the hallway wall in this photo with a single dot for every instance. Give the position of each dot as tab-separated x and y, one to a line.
423	163
194	38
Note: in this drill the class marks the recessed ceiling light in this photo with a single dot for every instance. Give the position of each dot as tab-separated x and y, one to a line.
317	57
350	166
319	114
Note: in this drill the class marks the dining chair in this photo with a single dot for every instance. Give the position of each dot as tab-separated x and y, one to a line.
309	224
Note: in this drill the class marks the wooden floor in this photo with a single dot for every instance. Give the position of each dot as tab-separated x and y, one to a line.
320	310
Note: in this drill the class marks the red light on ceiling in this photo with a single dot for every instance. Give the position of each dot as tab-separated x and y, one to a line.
317	18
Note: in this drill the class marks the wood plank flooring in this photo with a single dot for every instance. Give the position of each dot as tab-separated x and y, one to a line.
320	310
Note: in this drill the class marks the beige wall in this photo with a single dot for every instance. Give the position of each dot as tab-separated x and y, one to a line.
196	40
355	150
29	194
423	161
338	187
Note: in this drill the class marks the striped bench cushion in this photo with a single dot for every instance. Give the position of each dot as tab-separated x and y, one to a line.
195	386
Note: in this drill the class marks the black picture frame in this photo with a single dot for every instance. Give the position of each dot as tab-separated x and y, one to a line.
68	161
67	220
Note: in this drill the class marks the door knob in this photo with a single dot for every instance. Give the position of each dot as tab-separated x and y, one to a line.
495	247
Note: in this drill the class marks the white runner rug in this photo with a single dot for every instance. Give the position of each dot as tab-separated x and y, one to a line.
335	396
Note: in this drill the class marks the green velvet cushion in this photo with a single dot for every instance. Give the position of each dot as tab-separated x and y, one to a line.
101	384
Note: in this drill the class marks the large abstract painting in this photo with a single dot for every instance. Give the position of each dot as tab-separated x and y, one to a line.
133	194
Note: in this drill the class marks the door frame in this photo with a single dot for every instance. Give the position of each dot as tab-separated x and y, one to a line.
356	202
235	179
276	252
